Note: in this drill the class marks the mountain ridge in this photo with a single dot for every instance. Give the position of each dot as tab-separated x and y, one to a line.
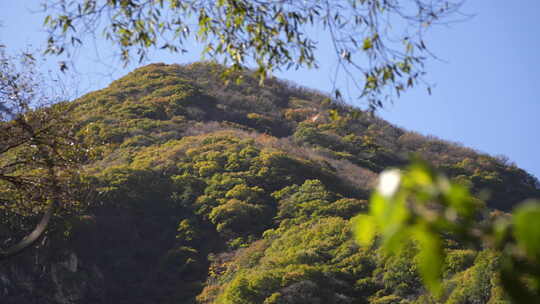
207	192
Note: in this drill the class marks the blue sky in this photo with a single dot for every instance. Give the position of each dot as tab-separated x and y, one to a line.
485	95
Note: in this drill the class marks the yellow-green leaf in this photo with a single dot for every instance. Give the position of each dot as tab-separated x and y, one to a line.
364	229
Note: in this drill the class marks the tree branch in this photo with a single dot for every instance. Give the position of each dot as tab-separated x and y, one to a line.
30	238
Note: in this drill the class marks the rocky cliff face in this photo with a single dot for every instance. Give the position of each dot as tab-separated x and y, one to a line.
32	278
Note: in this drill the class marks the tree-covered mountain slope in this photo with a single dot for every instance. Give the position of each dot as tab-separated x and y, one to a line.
211	192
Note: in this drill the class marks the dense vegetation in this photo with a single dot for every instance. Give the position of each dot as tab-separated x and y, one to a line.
206	192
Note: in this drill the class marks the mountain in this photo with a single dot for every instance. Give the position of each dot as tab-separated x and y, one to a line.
212	192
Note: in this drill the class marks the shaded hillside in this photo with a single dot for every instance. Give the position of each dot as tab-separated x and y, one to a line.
208	192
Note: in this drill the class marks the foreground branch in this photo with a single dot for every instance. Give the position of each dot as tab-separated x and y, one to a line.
27	241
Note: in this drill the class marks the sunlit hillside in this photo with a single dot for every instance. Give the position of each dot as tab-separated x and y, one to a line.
203	191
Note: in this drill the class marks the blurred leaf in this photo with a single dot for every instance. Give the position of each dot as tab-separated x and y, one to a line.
390	216
527	228
364	229
430	258
458	195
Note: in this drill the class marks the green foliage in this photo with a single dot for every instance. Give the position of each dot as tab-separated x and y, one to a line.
211	193
527	229
272	35
39	156
477	284
306	262
420	205
235	216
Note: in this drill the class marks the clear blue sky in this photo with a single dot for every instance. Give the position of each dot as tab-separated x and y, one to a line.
486	95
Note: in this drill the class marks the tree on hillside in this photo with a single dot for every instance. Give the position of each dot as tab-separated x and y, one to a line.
37	155
379	44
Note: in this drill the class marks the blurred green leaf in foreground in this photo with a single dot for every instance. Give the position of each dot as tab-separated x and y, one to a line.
420	205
